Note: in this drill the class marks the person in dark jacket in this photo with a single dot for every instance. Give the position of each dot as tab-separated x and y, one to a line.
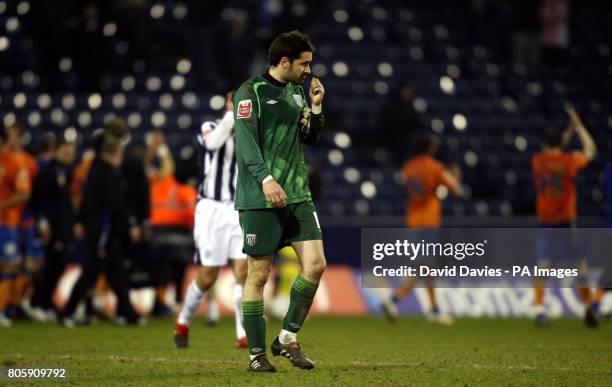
53	209
104	222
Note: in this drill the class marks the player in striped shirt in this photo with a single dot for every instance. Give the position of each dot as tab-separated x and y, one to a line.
217	233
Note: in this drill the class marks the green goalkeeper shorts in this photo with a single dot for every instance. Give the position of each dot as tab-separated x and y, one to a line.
267	230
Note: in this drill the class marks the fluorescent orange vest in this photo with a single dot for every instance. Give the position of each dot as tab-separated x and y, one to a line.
172	204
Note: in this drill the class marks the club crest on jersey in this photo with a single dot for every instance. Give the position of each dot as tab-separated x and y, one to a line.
244	109
251	239
298	99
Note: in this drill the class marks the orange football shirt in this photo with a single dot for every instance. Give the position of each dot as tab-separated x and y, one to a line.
555	187
14	178
79	176
422	175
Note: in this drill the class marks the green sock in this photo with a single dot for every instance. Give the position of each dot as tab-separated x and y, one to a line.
254	326
302	294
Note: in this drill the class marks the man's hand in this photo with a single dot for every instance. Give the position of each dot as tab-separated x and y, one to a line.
455	171
305	121
274	193
316	91
78	231
135	234
229	102
44	230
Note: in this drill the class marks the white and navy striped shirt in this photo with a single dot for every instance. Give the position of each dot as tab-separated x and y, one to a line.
217	158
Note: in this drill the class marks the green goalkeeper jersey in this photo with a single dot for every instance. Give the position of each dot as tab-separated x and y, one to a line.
269	140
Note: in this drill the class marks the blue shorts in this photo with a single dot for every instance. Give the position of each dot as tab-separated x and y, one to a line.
31	245
428	236
558	242
9	245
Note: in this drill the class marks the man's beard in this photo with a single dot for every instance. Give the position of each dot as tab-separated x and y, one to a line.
299	80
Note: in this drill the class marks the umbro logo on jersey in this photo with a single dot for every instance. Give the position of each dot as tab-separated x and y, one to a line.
251	239
272	102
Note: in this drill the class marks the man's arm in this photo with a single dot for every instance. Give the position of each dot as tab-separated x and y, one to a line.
22	193
44	186
247	133
316	93
589	149
248	149
167	167
215	138
137	188
17	198
452	181
315	126
114	200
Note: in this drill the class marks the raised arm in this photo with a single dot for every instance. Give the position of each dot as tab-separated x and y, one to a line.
215	138
314	127
589	149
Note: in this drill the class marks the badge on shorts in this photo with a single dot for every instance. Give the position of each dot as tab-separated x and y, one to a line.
244	109
298	99
10	249
251	239
61	180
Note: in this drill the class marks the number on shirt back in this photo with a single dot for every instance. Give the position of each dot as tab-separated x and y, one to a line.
550	185
415	187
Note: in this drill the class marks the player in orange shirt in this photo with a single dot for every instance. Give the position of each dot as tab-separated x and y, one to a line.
30	246
14	192
423	175
554	171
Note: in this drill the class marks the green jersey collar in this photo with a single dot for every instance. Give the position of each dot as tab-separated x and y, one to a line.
272	80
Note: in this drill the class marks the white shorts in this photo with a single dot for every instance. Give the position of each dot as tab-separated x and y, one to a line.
217	233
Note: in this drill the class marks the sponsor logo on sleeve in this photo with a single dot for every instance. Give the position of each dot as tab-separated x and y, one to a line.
245	107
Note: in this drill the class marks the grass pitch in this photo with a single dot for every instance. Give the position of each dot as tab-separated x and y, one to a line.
347	351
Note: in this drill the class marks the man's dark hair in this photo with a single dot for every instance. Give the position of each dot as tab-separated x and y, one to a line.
20	130
423	142
46	143
3	134
62	141
289	44
117	127
110	144
552	137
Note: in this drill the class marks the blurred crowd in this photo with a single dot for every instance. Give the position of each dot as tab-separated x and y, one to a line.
225	36
56	211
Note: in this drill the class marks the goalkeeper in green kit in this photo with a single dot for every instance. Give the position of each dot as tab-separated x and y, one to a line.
272	121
